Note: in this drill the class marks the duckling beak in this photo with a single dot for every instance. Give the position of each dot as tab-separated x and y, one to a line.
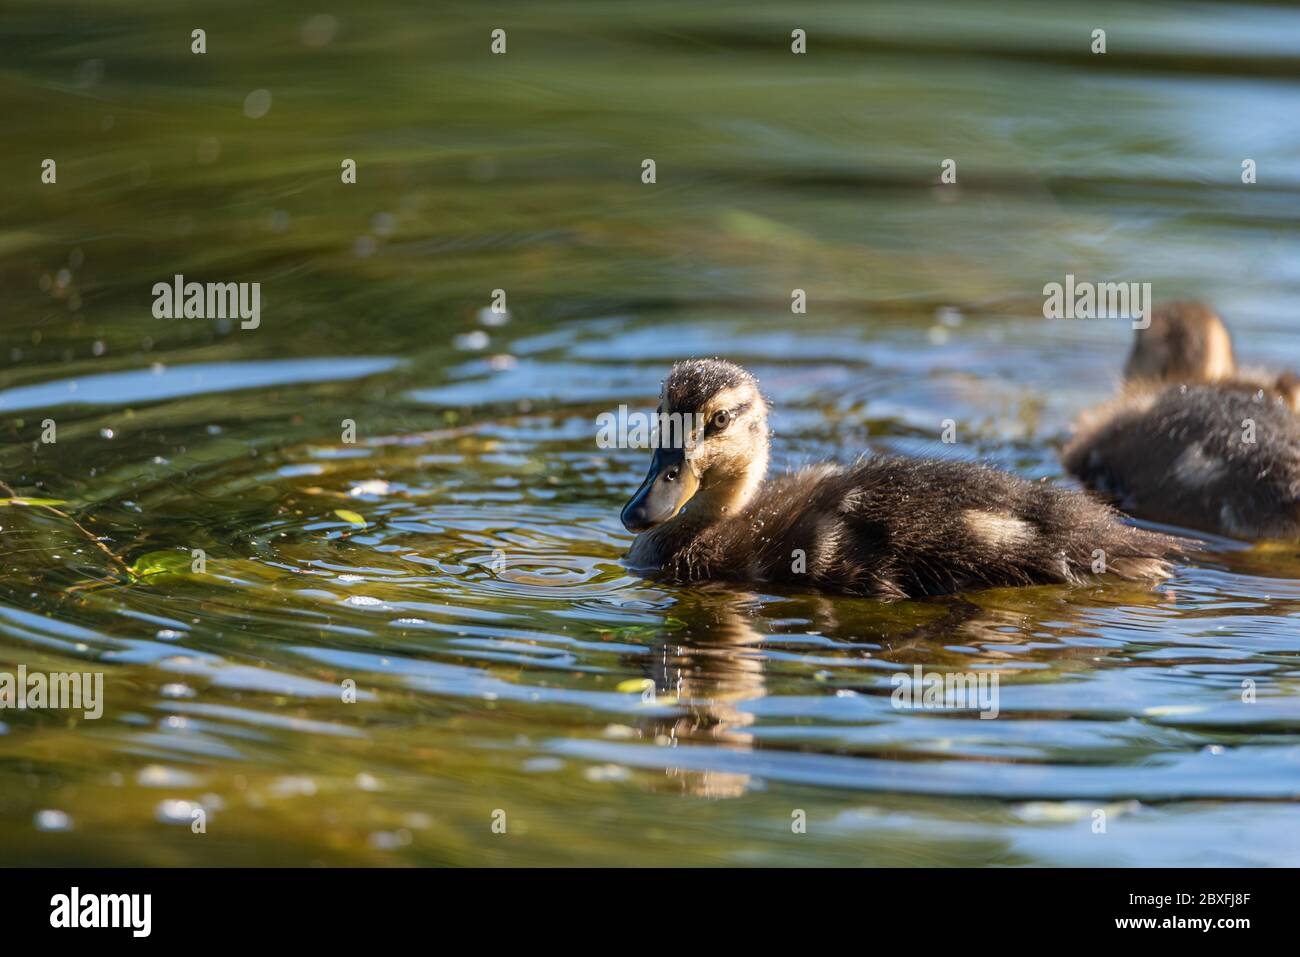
668	487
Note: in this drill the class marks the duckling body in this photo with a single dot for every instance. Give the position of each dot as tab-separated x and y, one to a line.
1192	440
889	527
1183	456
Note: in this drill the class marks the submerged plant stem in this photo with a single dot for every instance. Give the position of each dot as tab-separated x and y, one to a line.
90	536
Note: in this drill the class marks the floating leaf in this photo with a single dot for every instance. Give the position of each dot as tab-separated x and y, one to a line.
349	516
170	563
33	501
635	684
1053	811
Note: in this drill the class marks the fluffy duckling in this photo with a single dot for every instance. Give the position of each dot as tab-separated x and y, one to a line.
1193	440
888	527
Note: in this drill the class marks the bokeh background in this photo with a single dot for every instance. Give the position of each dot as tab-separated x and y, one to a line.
517	686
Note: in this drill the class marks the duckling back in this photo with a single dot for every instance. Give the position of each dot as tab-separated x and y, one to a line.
1211	457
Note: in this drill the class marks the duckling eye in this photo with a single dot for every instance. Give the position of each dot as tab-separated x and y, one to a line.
671	474
721	419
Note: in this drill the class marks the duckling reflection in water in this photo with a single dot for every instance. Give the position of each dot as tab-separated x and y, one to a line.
713	669
1193	440
712	665
888	527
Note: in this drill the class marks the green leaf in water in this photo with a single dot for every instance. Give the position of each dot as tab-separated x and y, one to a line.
349	516
33	501
153	566
1168	710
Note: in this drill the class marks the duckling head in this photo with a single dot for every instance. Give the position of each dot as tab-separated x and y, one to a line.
711	449
1185	342
1288	386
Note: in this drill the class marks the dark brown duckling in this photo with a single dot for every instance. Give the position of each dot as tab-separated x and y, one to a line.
887	527
1193	440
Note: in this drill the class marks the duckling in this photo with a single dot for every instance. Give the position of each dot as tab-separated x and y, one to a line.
888	527
1186	342
1192	440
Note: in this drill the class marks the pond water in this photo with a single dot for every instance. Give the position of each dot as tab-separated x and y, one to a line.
459	561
